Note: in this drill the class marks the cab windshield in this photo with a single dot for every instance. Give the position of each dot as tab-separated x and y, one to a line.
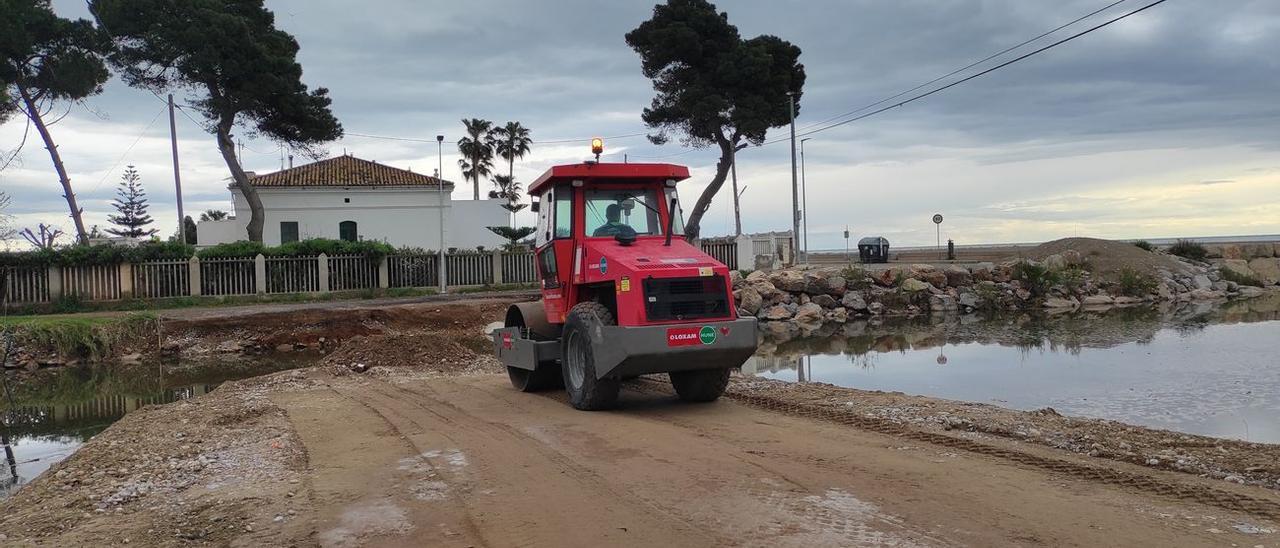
625	212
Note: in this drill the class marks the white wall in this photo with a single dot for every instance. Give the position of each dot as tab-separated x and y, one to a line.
220	232
400	216
468	220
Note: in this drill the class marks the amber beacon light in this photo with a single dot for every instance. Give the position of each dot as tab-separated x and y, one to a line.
597	147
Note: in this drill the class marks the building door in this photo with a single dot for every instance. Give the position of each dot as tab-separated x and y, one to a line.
347	231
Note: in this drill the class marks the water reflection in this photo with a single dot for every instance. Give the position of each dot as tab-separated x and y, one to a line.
55	412
1203	369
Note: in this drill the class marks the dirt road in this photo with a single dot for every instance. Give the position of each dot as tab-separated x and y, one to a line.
466	461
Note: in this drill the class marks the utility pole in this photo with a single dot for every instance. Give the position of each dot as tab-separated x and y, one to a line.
440	194
737	212
795	185
177	175
804	200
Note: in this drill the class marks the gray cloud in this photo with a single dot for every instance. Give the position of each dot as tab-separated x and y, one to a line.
1182	92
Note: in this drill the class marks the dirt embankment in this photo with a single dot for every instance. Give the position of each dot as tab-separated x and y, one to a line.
1109	258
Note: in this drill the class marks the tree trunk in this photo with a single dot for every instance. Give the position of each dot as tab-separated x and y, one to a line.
33	112
691	226
256	213
475	173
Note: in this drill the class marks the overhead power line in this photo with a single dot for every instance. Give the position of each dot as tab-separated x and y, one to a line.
535	141
141	134
803	130
968	66
973	76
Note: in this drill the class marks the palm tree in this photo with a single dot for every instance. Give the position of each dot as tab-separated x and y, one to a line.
477	151
510	142
508	189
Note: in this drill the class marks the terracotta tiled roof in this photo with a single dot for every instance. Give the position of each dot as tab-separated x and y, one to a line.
345	171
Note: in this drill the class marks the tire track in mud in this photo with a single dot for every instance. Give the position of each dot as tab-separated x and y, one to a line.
786	512
465	429
1187	492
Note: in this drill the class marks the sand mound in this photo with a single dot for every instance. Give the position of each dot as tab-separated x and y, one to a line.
1109	257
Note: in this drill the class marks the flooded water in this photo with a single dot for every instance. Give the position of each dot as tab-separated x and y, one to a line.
1199	369
56	411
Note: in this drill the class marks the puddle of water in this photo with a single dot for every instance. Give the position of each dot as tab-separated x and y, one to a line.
1200	370
57	411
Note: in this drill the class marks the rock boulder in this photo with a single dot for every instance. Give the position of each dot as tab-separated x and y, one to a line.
749	300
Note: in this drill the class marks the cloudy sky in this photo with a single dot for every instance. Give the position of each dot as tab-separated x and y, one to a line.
1164	124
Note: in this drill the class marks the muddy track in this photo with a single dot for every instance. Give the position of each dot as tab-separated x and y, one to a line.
1197	493
468	461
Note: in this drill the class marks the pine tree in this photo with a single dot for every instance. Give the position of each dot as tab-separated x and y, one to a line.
131	202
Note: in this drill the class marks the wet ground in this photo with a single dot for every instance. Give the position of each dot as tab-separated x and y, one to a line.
57	411
1210	370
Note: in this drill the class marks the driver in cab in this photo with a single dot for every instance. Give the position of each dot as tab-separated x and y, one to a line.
613	225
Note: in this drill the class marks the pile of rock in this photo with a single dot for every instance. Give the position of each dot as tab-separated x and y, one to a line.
811	296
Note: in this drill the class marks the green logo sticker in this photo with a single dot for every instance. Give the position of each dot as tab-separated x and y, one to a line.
707	334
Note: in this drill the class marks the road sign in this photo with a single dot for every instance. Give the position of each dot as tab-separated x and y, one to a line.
937	218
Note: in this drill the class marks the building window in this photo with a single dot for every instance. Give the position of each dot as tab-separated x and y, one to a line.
288	231
347	231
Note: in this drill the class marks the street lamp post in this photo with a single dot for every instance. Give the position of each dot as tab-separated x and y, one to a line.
795	186
804	201
440	273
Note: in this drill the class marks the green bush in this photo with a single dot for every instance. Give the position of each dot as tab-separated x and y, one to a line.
1240	279
84	255
1132	283
1189	249
232	250
1035	277
1144	245
1073	278
302	248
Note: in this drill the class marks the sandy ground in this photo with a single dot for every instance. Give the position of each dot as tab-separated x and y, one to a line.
433	448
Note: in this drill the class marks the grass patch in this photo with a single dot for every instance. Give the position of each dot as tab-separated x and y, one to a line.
1240	279
71	305
80	336
1189	249
1144	245
488	288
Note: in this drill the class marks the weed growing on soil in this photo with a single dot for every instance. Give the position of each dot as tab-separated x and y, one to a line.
989	296
1189	249
855	277
1037	278
1144	245
1240	279
1132	283
1073	278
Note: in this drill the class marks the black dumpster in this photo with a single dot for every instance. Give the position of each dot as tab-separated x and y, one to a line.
874	249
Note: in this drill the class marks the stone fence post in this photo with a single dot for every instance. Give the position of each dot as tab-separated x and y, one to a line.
384	272
497	267
744	252
260	273
55	282
126	280
323	272
193	276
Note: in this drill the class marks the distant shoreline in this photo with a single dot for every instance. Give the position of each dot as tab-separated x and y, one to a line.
1254	239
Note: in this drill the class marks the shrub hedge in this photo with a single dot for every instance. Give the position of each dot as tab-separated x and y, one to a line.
81	255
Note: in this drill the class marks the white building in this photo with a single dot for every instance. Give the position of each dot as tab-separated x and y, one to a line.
353	199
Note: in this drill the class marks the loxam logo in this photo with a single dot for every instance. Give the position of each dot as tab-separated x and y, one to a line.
691	336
